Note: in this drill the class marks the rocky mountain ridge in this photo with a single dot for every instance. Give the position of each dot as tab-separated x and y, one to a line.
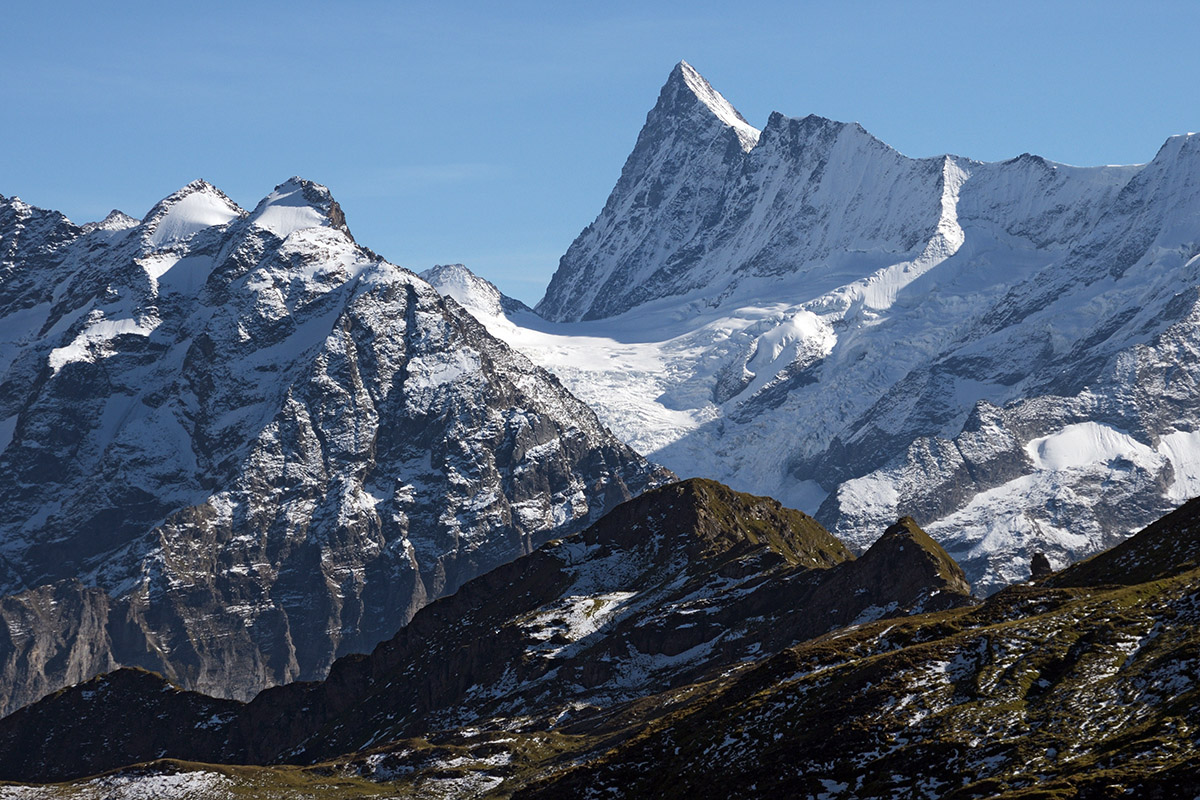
1003	351
1081	685
239	445
680	583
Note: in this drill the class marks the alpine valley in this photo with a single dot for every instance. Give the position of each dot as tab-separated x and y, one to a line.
279	518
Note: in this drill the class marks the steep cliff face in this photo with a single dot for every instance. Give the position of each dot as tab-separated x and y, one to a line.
672	188
678	585
264	444
1003	351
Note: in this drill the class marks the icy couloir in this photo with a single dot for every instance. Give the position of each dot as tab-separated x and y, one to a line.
237	445
1006	351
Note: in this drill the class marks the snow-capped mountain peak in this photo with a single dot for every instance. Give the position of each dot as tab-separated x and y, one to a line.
181	215
297	204
685	83
825	320
115	222
260	414
477	295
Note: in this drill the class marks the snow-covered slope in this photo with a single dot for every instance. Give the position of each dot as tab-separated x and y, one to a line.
809	314
238	445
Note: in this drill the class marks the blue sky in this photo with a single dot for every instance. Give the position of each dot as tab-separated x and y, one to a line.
491	133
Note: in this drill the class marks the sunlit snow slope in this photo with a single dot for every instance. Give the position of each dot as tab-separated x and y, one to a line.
1006	351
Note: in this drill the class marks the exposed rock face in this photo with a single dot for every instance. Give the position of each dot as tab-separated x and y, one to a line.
677	178
256	444
155	714
1006	351
1080	686
673	586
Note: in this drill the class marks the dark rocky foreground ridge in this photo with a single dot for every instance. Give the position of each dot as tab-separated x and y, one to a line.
1061	689
668	589
237	445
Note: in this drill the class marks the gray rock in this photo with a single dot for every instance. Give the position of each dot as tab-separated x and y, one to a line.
255	446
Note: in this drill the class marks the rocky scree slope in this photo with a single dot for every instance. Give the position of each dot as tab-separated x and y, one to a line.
238	445
677	585
1005	351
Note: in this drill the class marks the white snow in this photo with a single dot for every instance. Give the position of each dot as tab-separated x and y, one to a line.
821	288
576	616
286	210
203	208
430	372
98	331
1183	449
1085	444
747	133
153	786
175	274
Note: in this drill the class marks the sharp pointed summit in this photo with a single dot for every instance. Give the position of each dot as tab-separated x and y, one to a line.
685	82
115	222
182	214
872	335
692	145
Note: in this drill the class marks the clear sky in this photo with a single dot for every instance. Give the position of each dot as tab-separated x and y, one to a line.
491	133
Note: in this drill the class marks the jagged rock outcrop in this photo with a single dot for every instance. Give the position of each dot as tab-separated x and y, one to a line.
256	445
671	587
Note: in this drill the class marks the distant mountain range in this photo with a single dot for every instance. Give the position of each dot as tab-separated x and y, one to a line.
1008	352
